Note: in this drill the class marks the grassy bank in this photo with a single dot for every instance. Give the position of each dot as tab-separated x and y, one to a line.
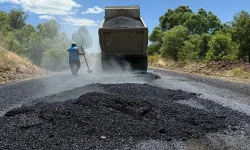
14	68
230	70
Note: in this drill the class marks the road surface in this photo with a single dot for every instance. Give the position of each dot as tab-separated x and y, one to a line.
158	110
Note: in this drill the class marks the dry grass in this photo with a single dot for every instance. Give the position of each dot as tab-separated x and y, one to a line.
3	53
13	67
232	71
154	59
240	73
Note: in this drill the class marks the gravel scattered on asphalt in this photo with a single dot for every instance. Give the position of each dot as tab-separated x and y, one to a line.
122	22
123	116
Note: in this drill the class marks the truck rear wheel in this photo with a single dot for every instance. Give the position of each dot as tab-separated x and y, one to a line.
106	63
139	63
135	63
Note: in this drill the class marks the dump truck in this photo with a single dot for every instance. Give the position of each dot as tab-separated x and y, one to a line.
123	38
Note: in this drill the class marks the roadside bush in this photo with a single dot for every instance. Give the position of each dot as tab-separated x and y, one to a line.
222	48
154	49
173	41
191	49
189	52
55	60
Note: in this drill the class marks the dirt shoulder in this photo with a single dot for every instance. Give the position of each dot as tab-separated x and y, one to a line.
15	68
236	71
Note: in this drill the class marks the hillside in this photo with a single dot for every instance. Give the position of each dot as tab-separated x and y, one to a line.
14	68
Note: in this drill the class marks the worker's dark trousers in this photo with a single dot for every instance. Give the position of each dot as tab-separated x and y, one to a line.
74	66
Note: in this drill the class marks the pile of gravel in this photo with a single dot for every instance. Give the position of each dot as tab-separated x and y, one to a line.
122	117
122	22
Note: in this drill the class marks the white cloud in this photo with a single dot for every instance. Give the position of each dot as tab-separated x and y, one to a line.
94	10
47	7
50	7
10	1
46	17
80	21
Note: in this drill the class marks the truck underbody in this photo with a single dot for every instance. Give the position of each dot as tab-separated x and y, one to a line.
125	62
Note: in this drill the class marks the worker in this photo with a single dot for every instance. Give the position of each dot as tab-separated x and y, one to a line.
74	59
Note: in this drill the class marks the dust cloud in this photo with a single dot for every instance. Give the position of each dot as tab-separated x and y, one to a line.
93	57
64	81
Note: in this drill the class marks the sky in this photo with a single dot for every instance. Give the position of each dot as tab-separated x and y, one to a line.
71	14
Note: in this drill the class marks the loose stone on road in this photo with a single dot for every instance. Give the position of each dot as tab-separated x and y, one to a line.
146	113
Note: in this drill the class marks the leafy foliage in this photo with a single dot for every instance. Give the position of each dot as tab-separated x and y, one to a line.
191	48
44	45
184	35
82	38
49	29
55	60
156	39
17	19
154	48
241	33
221	47
173	41
4	19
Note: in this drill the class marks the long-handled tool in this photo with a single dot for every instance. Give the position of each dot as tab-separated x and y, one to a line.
89	71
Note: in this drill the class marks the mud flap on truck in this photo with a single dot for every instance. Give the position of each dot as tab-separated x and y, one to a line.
134	63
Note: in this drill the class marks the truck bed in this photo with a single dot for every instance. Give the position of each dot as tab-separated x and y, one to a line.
123	41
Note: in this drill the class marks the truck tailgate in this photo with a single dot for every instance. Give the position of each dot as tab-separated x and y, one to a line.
126	41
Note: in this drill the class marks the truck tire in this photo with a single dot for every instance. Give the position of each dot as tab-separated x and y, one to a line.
140	63
106	63
136	63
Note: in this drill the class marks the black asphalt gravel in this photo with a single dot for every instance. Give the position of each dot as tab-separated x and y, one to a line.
119	118
122	22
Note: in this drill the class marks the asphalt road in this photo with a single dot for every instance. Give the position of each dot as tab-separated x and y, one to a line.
175	111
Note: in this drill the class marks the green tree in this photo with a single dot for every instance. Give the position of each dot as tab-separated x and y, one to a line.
46	38
222	47
61	42
82	37
227	27
4	19
175	17
14	45
191	49
55	60
154	48
156	38
156	35
50	29
36	49
241	33
202	12
173	41
17	19
24	35
204	45
164	25
214	23
197	24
